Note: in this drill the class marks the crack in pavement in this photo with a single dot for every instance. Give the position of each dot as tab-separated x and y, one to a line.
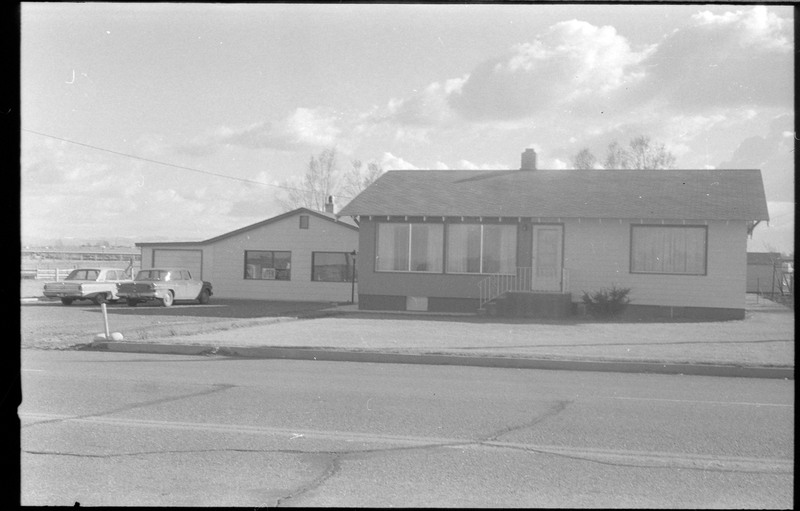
213	390
554	410
332	460
332	467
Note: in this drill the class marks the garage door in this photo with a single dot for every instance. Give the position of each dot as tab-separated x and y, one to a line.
192	260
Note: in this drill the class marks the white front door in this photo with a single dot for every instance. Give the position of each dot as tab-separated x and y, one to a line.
547	257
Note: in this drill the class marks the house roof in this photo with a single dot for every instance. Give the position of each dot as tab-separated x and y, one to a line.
299	211
645	194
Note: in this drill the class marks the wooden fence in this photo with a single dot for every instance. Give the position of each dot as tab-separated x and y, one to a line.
55	274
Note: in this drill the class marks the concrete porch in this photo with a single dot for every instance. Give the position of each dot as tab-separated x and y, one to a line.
526	304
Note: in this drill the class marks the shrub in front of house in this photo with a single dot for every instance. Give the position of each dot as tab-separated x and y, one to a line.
607	303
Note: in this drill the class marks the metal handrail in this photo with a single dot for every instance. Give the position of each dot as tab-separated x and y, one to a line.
498	284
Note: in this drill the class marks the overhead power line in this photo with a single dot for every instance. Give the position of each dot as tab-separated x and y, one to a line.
157	162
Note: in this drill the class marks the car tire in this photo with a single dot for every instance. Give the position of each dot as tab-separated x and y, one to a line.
132	303
66	301
203	298
100	299
168	299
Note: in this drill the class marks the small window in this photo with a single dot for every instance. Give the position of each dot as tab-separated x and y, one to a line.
185	275
267	265
304	221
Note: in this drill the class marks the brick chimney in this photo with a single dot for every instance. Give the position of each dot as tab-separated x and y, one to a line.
528	160
329	204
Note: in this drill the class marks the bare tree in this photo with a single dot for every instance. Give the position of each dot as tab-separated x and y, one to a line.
641	153
617	157
584	160
359	178
319	182
323	179
645	155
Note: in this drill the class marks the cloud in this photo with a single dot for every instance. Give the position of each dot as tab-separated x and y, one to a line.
736	59
392	162
773	154
572	62
591	81
304	128
468	165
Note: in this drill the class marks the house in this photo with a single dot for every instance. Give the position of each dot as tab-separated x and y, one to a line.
302	255
451	240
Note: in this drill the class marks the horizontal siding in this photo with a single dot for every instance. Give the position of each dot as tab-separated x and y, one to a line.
226	261
405	283
598	256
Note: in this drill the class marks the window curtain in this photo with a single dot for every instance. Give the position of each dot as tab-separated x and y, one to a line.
464	248
500	249
669	250
392	247
426	247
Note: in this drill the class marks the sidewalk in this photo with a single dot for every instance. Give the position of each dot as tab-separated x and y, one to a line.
761	345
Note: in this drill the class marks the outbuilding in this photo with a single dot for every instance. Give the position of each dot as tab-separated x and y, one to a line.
302	255
452	240
764	271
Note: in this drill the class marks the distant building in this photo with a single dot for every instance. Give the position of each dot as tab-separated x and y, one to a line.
761	271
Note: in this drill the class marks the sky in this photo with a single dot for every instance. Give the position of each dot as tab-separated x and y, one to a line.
181	122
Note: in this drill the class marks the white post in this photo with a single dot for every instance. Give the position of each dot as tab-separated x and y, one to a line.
105	321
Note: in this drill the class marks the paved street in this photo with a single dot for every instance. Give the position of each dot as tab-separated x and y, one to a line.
142	429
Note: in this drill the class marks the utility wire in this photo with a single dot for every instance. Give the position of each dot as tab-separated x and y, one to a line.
140	158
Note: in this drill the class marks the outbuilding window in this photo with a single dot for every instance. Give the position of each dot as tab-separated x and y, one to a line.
267	265
669	249
332	266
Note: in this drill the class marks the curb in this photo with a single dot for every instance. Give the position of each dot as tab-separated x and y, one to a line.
338	355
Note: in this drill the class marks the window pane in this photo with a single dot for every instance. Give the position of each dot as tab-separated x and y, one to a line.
427	243
283	265
332	267
268	265
679	250
499	248
392	247
464	248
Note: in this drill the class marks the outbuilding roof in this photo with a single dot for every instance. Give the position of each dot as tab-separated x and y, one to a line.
643	194
763	258
349	224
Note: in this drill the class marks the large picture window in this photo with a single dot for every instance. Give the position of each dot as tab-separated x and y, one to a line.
410	247
675	250
267	265
332	267
475	248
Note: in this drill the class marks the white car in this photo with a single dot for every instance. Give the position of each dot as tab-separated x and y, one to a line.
165	285
96	284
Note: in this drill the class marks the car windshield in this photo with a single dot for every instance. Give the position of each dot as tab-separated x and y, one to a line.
152	275
83	275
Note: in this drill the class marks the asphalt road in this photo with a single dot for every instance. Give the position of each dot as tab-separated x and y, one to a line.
115	429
